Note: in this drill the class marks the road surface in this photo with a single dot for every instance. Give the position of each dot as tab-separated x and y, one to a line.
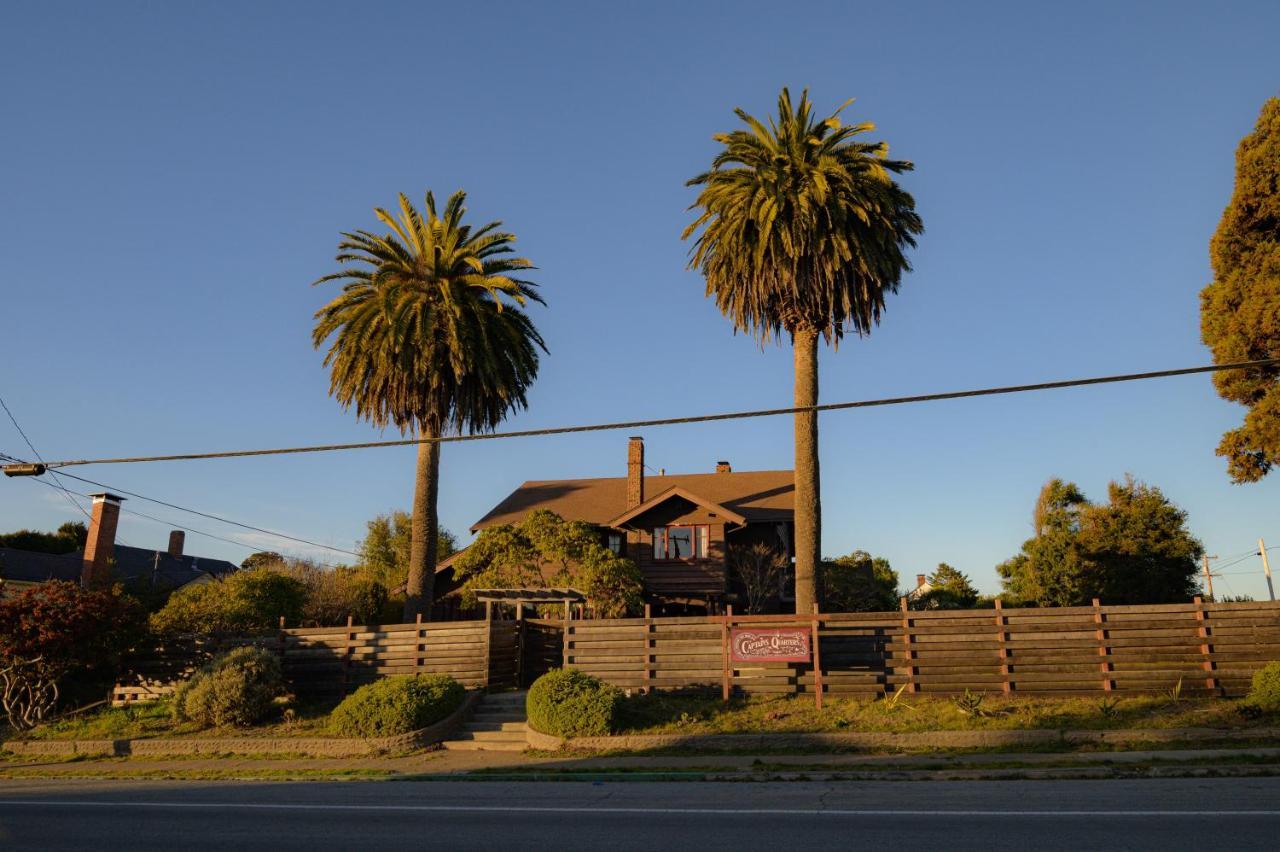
1164	814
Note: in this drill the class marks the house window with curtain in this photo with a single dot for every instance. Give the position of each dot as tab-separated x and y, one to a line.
680	543
614	542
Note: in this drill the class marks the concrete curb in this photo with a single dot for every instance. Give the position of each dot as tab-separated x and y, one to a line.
925	739
309	746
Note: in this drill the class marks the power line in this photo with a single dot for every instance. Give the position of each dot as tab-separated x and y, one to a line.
215	517
674	421
185	509
169	523
36	453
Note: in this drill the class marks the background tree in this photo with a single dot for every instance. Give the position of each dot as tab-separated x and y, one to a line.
428	335
859	582
1240	310
261	559
949	588
802	232
70	537
760	568
546	550
332	594
387	546
1133	549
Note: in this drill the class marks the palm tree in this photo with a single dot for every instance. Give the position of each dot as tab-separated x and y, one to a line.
802	231
429	335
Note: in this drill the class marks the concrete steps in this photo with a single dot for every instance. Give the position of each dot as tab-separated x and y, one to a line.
497	724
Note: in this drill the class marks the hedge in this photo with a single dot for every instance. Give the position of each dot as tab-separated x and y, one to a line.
237	689
569	702
396	705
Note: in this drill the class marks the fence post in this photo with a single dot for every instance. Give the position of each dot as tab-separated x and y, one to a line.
1206	648
420	658
908	652
817	658
1104	652
648	649
519	675
488	639
346	657
282	642
1002	640
726	685
568	616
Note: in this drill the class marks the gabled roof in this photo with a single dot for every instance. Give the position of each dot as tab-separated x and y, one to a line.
677	492
764	495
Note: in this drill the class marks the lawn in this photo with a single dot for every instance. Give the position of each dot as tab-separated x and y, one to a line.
154	719
675	714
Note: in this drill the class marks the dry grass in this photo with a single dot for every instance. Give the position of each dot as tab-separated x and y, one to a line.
665	714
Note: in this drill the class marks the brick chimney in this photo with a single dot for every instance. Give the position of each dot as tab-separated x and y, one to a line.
101	544
723	466
635	472
920	580
177	539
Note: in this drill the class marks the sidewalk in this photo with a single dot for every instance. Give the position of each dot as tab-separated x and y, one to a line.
477	765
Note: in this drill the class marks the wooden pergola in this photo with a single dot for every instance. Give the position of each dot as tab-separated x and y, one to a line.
520	598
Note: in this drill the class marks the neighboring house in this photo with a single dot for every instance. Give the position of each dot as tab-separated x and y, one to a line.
923	587
169	569
677	529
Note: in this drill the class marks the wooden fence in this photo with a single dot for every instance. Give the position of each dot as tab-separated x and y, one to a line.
329	660
1196	647
1207	648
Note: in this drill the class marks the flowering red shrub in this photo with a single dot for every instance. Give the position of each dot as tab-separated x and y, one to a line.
54	630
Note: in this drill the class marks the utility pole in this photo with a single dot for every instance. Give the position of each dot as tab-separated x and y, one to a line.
1266	568
1208	577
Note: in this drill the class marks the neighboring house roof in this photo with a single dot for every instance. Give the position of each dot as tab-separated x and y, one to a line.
131	563
684	493
765	495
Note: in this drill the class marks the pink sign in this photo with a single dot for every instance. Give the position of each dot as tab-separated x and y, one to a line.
771	644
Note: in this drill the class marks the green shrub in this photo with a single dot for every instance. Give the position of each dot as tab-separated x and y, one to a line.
237	689
396	705
1264	692
568	703
251	600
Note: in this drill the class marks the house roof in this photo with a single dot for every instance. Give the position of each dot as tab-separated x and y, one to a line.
131	563
677	492
764	495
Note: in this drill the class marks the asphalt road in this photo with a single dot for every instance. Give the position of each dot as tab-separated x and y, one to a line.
1164	814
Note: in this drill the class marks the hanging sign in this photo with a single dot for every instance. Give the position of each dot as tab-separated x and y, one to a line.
770	645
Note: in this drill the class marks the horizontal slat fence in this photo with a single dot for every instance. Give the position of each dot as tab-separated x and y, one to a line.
335	660
1207	648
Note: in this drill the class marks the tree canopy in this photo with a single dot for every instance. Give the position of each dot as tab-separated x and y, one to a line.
949	588
859	582
1240	310
69	537
546	550
246	601
429	334
1133	549
385	549
801	232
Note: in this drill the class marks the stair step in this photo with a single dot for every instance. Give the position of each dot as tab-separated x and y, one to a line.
485	725
481	745
495	714
493	736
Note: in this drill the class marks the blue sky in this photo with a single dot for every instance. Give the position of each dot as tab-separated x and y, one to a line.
175	175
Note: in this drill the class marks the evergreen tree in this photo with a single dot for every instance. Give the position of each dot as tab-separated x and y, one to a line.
1240	310
1133	549
949	588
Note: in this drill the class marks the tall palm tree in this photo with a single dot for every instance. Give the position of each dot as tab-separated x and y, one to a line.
802	231
429	335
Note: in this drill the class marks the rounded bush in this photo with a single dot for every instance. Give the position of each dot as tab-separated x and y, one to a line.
571	703
1264	692
237	689
396	705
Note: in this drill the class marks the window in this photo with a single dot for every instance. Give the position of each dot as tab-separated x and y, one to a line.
681	542
614	542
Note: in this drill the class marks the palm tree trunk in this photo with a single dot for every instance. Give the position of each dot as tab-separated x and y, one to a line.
808	492
425	539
